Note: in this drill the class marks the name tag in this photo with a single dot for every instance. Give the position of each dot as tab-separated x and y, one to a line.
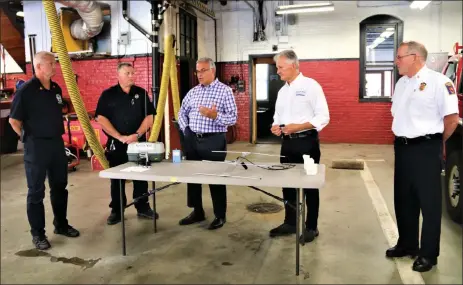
300	93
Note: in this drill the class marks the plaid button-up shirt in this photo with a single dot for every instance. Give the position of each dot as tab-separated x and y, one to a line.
217	94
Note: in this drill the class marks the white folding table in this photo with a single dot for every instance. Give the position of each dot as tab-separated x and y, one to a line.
204	172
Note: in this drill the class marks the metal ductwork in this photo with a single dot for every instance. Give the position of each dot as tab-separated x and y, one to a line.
91	22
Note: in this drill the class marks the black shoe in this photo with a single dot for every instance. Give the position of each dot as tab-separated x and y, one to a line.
423	264
113	219
147	214
308	236
192	218
68	231
41	242
217	223
283	230
397	251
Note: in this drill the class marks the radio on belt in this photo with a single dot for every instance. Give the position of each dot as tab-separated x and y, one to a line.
145	152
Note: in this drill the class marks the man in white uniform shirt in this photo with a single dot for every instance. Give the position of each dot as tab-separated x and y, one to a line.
425	111
301	112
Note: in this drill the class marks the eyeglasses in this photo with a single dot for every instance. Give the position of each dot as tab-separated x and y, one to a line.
398	57
201	71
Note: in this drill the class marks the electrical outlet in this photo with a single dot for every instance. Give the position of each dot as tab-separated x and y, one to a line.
124	39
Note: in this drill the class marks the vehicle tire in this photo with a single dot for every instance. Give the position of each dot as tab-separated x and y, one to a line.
452	186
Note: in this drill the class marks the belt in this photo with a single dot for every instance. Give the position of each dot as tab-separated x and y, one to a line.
205	135
405	140
309	133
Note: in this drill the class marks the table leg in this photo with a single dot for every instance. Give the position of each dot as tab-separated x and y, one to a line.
122	216
154	208
298	225
303	217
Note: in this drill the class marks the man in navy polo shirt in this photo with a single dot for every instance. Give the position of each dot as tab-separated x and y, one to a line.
126	113
37	118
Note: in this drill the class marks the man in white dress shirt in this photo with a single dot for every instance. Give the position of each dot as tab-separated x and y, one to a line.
425	111
301	111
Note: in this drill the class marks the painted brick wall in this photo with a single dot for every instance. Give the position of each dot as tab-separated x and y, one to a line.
94	76
351	120
242	99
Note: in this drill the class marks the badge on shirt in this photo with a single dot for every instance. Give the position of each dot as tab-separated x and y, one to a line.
422	86
300	93
58	98
136	96
450	88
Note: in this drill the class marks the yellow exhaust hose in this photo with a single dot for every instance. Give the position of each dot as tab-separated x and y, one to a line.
166	69
71	84
174	86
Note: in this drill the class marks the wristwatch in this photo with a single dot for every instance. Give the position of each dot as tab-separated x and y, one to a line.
138	136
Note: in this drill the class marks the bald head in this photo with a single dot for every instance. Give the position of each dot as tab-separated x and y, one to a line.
44	64
43	56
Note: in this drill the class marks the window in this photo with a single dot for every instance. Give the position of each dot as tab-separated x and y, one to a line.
188	35
380	36
262	82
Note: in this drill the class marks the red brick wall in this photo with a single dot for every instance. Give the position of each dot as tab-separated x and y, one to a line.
242	99
94	76
351	121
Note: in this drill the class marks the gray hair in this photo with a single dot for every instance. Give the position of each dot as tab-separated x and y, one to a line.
123	64
41	56
207	59
416	47
290	56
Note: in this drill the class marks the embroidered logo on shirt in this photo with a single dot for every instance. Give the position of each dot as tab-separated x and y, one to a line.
300	93
450	88
136	96
422	86
58	98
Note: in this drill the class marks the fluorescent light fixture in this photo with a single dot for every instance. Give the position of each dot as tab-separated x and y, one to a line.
419	4
319	4
305	10
20	14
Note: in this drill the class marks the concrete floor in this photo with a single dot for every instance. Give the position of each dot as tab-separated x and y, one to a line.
350	248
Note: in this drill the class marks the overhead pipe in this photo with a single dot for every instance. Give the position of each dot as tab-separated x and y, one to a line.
156	8
255	38
91	22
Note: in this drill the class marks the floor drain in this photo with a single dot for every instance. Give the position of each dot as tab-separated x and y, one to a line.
264	208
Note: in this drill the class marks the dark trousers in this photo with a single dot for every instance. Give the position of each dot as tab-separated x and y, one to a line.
417	187
201	149
117	155
46	157
293	149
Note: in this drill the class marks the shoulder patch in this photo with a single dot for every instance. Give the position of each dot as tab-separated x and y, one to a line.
450	88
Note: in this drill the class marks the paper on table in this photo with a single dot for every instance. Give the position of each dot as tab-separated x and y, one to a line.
135	169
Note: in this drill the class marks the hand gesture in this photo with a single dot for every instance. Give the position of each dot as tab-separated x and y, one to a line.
208	112
290	129
276	130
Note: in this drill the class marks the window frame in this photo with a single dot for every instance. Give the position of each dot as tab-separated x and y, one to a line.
188	31
379	20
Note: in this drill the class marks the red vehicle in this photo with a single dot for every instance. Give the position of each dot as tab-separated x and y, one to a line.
454	145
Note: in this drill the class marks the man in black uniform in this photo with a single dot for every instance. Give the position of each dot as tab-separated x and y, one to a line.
301	111
126	113
37	118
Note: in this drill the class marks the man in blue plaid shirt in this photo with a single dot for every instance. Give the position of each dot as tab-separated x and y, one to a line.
206	112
